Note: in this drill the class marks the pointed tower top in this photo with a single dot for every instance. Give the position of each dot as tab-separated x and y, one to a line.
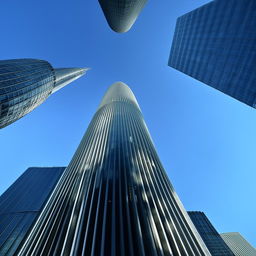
64	76
118	91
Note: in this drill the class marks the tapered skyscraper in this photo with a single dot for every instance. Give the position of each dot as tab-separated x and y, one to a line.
115	198
121	14
27	83
216	44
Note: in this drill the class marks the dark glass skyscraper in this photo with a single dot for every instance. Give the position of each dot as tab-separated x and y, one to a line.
216	44
209	234
121	14
27	83
115	198
21	204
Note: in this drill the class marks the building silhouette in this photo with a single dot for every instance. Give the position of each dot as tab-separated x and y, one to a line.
21	204
209	234
27	83
121	14
238	245
114	198
215	44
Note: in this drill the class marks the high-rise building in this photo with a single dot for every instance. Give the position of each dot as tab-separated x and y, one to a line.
216	44
21	204
121	14
238	245
209	234
27	83
114	197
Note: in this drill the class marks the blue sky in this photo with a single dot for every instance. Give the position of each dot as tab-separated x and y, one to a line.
205	139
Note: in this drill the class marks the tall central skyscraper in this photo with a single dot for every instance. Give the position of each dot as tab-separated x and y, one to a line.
114	198
27	83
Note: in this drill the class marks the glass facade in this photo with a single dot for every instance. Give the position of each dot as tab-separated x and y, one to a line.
121	14
27	83
114	197
216	44
238	245
21	203
24	84
211	237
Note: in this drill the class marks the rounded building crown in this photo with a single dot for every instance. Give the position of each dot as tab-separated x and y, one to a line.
118	91
121	14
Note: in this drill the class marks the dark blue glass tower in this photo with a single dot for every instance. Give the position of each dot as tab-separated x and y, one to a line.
27	83
216	44
209	234
21	204
121	14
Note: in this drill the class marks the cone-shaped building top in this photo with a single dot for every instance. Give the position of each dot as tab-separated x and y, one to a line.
118	91
64	76
121	14
37	77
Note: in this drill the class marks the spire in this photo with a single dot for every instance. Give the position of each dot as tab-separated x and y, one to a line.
64	76
118	91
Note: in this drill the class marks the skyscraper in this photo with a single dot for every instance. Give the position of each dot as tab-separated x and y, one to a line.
209	234
114	197
21	204
27	83
121	14
238	245
216	44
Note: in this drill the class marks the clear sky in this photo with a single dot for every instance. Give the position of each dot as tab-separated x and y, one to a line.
205	139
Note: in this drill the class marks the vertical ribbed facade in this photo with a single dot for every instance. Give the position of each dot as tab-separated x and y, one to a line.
121	14
216	44
115	198
209	234
21	204
27	83
238	245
